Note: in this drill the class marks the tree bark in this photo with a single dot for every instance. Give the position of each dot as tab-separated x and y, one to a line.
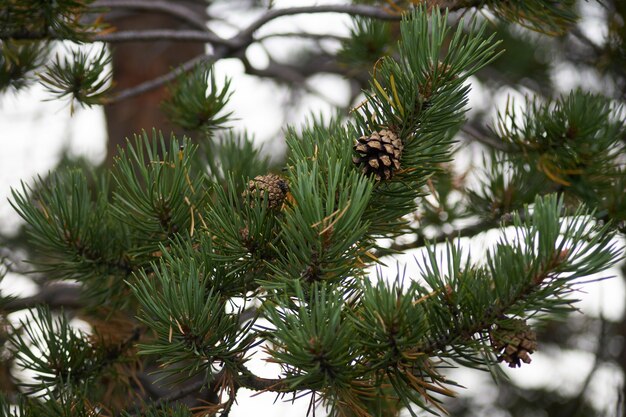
134	63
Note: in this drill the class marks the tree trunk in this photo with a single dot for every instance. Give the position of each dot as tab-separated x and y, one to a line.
136	62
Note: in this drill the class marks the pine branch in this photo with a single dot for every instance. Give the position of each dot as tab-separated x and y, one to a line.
185	391
535	274
250	381
245	38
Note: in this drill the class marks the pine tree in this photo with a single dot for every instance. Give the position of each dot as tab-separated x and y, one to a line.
191	255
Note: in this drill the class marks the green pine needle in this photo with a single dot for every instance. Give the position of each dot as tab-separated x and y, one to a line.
18	60
83	79
196	103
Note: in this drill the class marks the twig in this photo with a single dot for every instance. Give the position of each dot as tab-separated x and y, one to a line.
248	314
169	7
163	34
244	38
350	9
54	295
249	380
183	392
422	240
485	139
163	79
314	36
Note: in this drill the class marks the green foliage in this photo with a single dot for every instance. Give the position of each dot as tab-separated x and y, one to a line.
324	232
46	18
155	193
246	239
574	144
193	331
199	270
531	273
575	138
82	78
57	355
234	154
72	227
70	403
196	103
505	188
394	332
17	61
313	343
388	323
101	235
421	96
368	41
546	16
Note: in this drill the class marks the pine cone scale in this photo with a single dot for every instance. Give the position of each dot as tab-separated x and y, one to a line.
515	341
379	154
270	188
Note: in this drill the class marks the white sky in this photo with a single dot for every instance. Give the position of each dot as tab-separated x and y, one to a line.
33	134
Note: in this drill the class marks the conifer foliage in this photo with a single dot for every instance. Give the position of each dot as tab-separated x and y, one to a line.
192	257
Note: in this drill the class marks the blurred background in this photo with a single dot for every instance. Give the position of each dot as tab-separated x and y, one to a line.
284	79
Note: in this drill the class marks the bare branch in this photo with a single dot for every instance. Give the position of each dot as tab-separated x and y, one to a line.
305	35
238	43
421	240
172	8
163	34
166	78
55	295
483	137
350	9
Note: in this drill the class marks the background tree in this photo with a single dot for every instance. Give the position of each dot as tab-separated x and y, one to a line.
171	236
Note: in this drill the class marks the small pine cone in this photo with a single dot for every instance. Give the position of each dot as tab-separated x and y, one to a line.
514	340
379	154
271	188
244	234
247	240
426	89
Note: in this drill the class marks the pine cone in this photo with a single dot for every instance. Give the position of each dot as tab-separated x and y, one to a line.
271	188
379	154
514	340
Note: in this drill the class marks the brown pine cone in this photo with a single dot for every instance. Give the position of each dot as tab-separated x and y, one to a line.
379	154
271	188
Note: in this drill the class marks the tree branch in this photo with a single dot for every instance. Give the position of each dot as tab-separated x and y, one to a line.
172	8
349	9
181	393
305	35
484	138
163	34
55	295
249	380
166	78
421	240
227	46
